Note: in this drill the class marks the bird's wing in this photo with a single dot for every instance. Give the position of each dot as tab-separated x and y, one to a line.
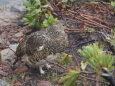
36	47
20	51
35	43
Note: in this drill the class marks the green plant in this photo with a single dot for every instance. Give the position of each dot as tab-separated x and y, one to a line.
38	14
49	20
90	29
70	78
96	57
113	3
65	59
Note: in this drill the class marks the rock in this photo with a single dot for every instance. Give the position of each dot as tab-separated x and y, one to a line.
84	0
19	34
13	40
3	42
11	11
2	39
8	54
4	83
13	46
44	83
18	8
8	18
21	23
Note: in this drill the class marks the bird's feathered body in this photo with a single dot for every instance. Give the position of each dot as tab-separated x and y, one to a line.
42	45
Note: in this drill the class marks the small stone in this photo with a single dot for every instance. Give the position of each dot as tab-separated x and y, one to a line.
13	40
4	83
44	83
19	34
13	46
11	11
21	23
3	42
8	54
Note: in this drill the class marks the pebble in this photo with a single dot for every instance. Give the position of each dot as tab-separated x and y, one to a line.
4	83
11	11
44	83
7	55
3	42
19	34
13	40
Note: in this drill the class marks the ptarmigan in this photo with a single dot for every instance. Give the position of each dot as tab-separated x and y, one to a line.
40	45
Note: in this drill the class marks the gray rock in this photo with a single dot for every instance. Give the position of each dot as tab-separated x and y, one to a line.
84	0
13	40
8	54
11	11
13	46
44	83
18	8
4	83
3	42
21	23
19	34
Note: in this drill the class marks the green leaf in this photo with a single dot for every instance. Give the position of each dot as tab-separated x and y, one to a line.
45	24
37	15
45	6
70	78
38	2
27	3
96	57
113	3
90	29
65	59
37	11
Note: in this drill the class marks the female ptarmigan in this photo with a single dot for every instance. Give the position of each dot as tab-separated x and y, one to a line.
40	45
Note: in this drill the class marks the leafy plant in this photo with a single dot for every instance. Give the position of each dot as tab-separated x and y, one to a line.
90	29
113	3
70	78
49	20
38	14
65	59
96	57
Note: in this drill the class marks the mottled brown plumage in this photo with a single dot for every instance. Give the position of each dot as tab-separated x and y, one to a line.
42	45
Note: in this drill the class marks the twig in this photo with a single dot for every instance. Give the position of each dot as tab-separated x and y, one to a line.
95	23
74	31
56	64
88	20
97	82
100	20
91	79
87	72
11	49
